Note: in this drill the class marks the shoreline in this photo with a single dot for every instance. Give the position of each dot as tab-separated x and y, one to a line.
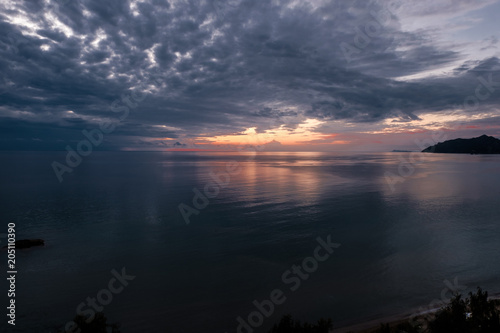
374	324
369	326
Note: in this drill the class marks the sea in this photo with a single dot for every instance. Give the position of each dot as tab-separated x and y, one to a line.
223	242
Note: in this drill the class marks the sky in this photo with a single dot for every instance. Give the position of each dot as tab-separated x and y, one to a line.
274	75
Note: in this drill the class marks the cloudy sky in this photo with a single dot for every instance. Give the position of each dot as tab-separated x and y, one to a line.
317	75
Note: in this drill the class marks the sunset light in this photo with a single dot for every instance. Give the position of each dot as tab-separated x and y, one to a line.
250	166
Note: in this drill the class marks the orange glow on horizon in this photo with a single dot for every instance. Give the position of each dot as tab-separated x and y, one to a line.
303	134
189	149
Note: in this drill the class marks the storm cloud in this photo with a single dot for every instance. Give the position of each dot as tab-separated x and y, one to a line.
186	69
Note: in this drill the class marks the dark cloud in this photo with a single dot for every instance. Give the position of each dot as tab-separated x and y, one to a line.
212	67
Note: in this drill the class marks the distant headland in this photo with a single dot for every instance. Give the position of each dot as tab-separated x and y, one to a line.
483	144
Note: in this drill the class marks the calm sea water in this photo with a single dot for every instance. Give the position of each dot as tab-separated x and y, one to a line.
120	209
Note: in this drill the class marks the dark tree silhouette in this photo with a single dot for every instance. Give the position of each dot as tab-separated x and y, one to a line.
97	325
473	315
288	325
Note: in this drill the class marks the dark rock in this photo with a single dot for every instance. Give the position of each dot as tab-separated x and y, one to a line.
480	145
26	243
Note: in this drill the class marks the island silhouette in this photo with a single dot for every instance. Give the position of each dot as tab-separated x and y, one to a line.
483	144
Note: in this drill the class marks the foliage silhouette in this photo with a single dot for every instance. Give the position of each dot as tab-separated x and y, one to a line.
97	325
473	315
288	325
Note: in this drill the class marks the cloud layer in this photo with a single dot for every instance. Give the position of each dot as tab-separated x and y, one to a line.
187	70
